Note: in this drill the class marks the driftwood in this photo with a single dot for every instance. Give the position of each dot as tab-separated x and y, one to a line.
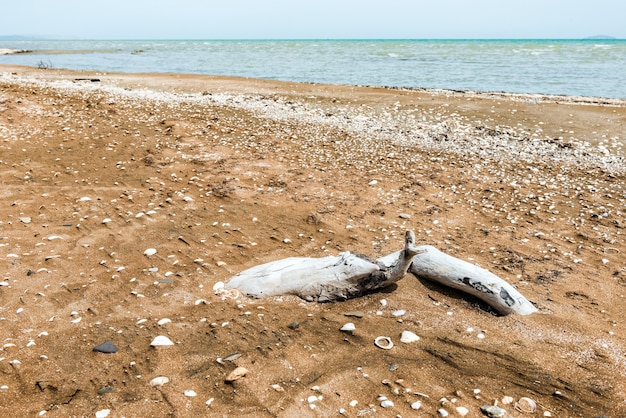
351	275
434	265
325	279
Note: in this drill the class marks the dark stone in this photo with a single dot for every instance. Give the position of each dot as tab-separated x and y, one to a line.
105	347
105	389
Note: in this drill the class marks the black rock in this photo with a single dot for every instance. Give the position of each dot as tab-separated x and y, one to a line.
106	347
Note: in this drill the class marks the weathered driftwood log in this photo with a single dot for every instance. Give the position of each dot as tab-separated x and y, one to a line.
325	279
350	275
434	265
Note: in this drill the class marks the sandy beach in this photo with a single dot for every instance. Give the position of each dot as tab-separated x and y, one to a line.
221	174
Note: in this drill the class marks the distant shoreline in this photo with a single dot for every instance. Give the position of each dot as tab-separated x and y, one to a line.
6	51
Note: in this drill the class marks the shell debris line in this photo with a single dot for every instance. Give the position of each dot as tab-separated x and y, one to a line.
128	203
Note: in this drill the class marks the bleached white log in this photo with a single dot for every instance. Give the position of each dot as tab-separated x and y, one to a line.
436	266
350	275
325	279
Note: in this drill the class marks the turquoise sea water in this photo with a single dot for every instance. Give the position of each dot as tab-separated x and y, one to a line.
563	67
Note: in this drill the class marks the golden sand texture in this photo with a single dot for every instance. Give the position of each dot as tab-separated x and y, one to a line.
124	199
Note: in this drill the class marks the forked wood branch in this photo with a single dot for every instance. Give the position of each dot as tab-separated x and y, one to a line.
350	275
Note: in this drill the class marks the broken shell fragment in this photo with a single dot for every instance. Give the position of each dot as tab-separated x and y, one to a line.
161	340
408	337
348	327
159	381
383	342
149	252
526	405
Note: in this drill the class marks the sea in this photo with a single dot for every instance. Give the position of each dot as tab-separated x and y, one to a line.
588	67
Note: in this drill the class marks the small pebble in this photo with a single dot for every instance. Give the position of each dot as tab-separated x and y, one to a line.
149	252
493	411
106	347
442	412
416	405
189	393
356	314
236	374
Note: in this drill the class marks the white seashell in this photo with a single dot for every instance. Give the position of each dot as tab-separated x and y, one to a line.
443	412
209	401
106	220
84	199
507	400
383	342
383	302
164	321
218	287
190	393
161	340
462	411
311	399
387	404
408	337
399	312
526	405
416	405
149	252
103	413
159	381
348	327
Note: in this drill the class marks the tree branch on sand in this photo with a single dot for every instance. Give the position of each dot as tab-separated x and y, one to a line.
348	275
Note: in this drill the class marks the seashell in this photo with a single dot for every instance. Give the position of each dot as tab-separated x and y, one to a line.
106	220
348	327
416	405
164	321
161	340
103	413
408	337
462	411
526	405
159	381
383	342
189	393
399	312
387	404
218	287
149	252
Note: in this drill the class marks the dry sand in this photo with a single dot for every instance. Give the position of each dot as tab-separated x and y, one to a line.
221	174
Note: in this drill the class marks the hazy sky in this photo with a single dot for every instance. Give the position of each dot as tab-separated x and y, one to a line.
252	19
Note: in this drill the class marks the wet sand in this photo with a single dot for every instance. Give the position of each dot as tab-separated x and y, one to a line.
220	174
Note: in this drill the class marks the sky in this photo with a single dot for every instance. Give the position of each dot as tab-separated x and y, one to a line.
318	19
